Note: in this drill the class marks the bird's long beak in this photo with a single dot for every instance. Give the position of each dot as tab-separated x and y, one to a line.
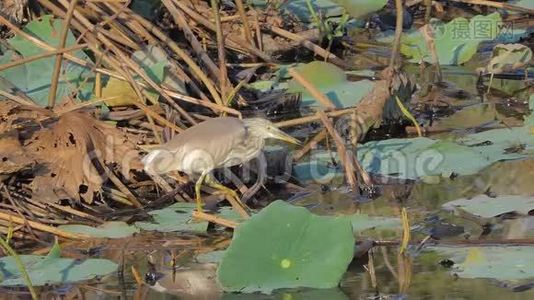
286	137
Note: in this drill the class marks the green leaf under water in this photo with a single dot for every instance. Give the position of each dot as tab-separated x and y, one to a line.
331	81
52	269
508	263
284	246
176	217
113	229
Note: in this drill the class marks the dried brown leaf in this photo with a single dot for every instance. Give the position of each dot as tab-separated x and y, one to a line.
74	154
13	158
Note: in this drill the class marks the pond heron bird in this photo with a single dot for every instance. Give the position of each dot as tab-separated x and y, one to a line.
212	144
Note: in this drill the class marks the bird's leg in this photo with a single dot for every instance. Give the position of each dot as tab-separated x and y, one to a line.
232	196
198	184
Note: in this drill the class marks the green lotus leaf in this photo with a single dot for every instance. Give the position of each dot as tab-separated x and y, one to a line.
284	246
52	269
113	229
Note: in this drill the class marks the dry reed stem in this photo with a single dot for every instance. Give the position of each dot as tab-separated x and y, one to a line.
234	42
243	15
344	156
395	53
310	145
42	227
16	98
314	118
221	51
180	20
215	219
322	98
182	54
83	23
327	55
59	57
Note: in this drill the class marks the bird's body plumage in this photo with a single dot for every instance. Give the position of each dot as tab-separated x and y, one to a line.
212	144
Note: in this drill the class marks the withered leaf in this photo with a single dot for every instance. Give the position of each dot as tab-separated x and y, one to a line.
74	154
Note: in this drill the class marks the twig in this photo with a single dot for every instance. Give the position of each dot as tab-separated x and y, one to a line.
428	35
327	55
215	219
297	155
180	20
313	118
59	56
220	49
235	42
243	15
44	228
341	149
398	34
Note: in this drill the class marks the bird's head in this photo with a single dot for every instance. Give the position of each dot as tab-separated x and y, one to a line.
266	129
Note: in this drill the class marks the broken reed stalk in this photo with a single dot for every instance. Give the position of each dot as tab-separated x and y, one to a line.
16	98
42	227
221	51
322	98
428	35
81	23
327	55
246	27
41	44
344	155
498	5
180	20
59	57
314	118
395	52
297	155
214	219
232	41
195	69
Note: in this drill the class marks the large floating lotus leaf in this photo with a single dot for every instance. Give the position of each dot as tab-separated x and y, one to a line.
176	217
52	269
456	41
331	81
487	207
285	246
114	229
34	78
507	263
418	158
